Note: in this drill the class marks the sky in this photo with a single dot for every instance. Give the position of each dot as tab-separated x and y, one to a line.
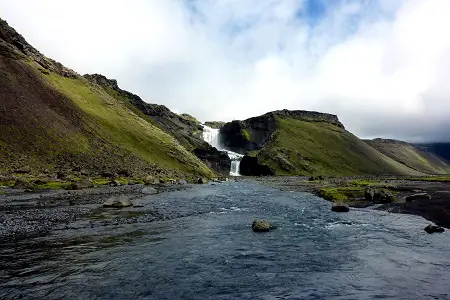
382	66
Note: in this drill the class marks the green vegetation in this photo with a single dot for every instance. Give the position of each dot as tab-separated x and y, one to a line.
342	193
432	178
53	185
304	148
246	134
190	118
111	119
411	156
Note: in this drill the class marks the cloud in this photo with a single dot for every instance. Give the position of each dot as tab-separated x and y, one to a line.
382	66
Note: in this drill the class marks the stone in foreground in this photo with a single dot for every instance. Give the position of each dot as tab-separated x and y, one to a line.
149	191
418	196
340	207
262	226
202	180
433	229
118	202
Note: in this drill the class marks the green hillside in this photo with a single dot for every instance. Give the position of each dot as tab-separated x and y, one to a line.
54	120
411	156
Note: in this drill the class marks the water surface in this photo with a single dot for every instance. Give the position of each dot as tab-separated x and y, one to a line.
202	247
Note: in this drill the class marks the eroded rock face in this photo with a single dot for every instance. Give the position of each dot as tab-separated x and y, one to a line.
262	226
251	167
217	160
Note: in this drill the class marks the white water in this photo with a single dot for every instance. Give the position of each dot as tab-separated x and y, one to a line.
211	136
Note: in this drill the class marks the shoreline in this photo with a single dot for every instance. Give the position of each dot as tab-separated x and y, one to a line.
436	209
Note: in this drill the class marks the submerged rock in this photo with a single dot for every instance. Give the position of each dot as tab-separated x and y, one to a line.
149	191
262	226
340	207
434	229
419	196
118	201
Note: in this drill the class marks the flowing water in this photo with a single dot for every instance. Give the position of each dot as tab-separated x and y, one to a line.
203	247
211	136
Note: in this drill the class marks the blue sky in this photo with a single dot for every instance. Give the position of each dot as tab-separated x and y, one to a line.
381	65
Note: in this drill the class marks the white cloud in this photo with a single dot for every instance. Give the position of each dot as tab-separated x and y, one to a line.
381	66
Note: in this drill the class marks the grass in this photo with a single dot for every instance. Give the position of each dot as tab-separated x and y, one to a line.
112	120
54	185
246	134
342	193
432	178
189	118
314	148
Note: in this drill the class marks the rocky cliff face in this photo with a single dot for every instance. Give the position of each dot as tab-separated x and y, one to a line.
252	134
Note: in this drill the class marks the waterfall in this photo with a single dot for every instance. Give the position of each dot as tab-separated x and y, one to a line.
211	136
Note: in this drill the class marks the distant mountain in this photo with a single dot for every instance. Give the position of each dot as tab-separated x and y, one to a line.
55	121
442	150
304	143
421	158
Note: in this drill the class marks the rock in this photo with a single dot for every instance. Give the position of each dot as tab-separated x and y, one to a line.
217	160
22	184
149	180
250	166
434	229
340	207
115	183
313	178
39	182
262	226
369	193
149	191
60	175
24	170
378	196
382	196
182	181
202	180
419	196
118	201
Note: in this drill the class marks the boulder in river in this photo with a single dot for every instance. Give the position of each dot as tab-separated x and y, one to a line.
149	191
418	196
433	229
202	180
340	207
118	201
262	226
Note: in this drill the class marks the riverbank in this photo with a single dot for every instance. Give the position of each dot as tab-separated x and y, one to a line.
351	190
29	214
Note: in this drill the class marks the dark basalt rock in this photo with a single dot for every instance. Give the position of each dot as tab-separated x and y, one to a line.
340	207
418	196
433	229
251	167
217	160
378	196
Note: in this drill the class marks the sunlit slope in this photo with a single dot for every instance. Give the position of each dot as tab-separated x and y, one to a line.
300	147
412	156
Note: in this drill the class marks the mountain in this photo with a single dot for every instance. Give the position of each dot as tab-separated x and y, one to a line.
304	143
55	121
417	157
441	150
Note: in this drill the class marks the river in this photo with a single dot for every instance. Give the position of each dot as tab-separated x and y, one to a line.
202	247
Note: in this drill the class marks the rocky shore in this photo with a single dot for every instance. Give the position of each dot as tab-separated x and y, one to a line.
24	214
433	203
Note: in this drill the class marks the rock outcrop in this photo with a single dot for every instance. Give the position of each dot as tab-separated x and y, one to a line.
418	196
340	207
433	229
118	202
217	160
251	167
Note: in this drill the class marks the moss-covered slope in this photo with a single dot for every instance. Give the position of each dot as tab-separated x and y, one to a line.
413	156
54	120
308	143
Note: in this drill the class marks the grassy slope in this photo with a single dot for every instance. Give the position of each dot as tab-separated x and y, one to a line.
303	148
412	157
98	126
115	122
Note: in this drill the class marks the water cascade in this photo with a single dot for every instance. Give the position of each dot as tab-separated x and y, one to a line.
211	136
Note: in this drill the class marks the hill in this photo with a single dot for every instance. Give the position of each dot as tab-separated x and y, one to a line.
55	121
304	143
414	156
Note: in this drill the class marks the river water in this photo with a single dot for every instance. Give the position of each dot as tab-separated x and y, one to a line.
202	247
